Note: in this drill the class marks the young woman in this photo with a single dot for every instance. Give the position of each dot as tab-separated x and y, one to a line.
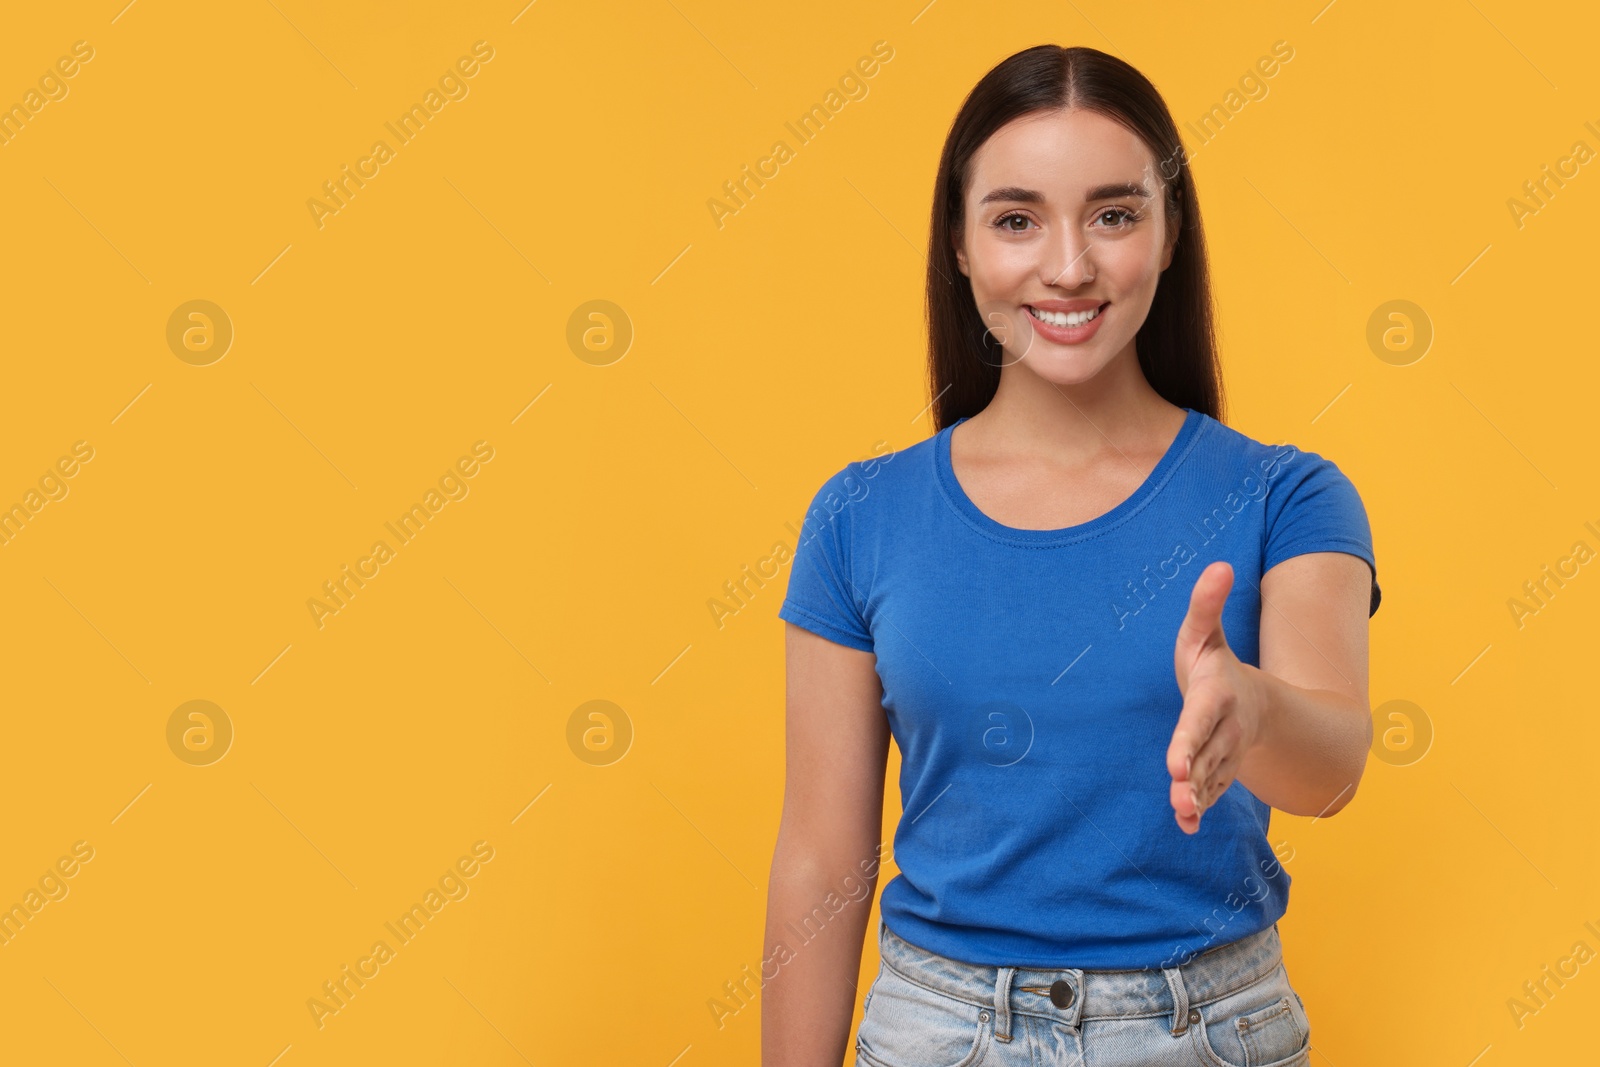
1108	633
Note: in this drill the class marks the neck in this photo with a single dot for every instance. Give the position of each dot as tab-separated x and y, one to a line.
1032	415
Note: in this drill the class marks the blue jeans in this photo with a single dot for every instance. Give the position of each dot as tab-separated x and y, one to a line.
1231	1006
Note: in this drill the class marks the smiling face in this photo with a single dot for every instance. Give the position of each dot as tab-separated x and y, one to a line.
1064	219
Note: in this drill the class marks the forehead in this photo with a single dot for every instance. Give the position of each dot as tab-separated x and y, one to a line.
1061	153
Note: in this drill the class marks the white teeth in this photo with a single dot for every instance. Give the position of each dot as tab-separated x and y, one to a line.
1069	318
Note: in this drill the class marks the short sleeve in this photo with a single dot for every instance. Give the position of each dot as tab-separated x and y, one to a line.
822	597
1313	507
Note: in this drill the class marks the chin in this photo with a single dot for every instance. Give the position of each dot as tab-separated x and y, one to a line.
1063	364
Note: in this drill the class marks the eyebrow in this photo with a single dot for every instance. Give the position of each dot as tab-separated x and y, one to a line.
1018	194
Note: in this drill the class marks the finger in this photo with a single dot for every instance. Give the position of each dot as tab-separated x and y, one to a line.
1212	791
1202	623
1186	799
1219	751
1187	815
1190	803
1202	708
1219	785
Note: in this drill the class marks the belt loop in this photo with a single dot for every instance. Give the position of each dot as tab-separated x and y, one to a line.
1180	1000
1002	1003
1079	979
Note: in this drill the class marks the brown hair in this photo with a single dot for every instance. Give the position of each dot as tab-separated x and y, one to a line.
1177	341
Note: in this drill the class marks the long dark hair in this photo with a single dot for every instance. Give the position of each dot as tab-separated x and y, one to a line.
1177	342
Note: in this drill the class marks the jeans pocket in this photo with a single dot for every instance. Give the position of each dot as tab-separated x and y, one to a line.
1264	1025
866	1005
907	1025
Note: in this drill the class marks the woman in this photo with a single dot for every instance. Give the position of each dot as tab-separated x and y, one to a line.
1040	603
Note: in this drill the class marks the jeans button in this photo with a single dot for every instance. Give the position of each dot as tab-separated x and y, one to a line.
1061	993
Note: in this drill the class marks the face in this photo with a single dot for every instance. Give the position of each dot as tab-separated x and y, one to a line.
1063	217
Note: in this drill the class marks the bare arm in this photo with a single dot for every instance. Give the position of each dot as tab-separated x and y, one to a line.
1317	719
1294	731
837	748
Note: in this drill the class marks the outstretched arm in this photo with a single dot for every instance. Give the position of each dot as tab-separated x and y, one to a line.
1296	730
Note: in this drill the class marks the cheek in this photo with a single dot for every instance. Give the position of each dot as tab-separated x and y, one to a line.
1000	265
1132	266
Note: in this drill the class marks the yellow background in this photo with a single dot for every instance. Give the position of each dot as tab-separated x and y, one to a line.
432	310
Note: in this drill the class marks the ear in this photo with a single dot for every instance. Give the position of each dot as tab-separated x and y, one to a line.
961	257
1171	245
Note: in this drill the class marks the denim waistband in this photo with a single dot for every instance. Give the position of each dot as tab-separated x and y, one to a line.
1089	994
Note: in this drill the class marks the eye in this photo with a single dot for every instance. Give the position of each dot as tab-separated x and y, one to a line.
1126	218
1001	222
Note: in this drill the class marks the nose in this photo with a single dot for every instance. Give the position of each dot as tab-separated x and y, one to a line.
1067	260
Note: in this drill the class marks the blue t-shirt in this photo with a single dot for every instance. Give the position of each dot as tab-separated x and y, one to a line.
1029	685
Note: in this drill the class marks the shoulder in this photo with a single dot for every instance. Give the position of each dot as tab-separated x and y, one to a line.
1284	466
1310	504
886	474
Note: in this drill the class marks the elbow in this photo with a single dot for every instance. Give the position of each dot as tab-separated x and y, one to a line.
1350	780
809	863
1339	803
1317	805
1346	793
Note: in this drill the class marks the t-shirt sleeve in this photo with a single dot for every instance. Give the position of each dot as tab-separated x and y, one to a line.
1314	507
822	596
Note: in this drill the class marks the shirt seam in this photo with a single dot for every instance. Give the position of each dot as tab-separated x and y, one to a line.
1069	540
822	620
1321	540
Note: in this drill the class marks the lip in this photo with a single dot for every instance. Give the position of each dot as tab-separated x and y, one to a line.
1067	335
1080	304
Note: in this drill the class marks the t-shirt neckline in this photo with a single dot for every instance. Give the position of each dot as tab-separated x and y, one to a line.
957	497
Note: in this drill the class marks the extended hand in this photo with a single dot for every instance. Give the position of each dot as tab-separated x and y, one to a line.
1221	717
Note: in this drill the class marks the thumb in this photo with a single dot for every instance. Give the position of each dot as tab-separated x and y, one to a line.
1202	625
